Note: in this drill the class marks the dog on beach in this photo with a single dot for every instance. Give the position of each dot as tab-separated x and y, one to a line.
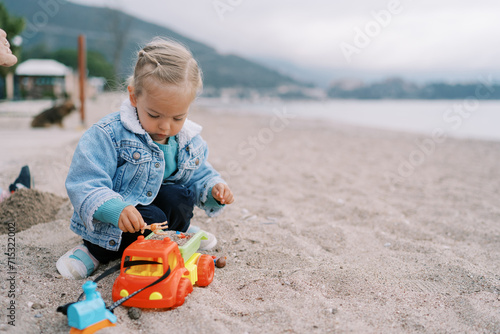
54	115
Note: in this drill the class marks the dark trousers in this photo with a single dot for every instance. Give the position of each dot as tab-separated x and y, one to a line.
174	203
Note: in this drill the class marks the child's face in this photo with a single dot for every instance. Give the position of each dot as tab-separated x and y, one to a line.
162	110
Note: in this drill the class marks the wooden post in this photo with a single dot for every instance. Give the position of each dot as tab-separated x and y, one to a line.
82	70
9	82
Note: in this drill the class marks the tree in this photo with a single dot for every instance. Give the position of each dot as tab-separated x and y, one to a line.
97	64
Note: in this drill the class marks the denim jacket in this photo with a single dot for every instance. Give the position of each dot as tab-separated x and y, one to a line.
116	158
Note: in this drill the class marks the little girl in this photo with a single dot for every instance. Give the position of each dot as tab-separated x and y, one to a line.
145	164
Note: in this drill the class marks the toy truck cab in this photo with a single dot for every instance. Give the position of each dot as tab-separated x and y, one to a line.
186	269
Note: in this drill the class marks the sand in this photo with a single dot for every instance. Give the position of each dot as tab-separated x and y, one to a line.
335	229
28	207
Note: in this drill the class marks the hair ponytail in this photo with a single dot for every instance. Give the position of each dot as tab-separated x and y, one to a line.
168	62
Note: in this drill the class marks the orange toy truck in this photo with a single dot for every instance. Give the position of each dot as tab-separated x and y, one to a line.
181	267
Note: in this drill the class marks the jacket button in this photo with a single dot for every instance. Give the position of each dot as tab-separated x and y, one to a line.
136	155
197	161
112	242
149	194
157	165
187	148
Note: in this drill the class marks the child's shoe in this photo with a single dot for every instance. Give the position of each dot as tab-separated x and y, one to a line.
24	180
205	245
77	263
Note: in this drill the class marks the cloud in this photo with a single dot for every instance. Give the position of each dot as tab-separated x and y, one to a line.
423	34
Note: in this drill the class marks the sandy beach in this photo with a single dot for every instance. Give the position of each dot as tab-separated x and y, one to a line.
335	229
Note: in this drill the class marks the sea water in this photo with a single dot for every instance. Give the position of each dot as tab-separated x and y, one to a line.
469	118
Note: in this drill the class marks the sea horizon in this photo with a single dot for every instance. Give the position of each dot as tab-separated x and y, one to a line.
471	118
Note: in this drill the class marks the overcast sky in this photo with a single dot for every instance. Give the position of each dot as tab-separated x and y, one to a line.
365	35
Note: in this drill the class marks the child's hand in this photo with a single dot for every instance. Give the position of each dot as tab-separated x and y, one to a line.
131	220
222	193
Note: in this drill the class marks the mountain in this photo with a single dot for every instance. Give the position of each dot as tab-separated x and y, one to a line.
56	24
397	88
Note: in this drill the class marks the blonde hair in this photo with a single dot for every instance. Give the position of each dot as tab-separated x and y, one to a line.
168	62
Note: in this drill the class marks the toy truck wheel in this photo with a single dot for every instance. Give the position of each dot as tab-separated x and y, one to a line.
185	288
206	269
